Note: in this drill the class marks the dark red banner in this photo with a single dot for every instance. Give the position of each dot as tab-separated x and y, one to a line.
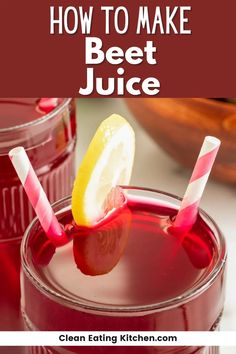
155	54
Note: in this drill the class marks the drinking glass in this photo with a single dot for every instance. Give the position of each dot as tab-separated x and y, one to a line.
50	144
57	299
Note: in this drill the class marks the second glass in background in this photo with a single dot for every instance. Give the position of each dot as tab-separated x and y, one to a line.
189	296
49	139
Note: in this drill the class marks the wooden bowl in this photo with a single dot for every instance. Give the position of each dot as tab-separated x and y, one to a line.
180	125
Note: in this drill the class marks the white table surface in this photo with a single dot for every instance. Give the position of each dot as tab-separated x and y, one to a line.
155	169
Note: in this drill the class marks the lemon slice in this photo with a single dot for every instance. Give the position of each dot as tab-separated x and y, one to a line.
107	163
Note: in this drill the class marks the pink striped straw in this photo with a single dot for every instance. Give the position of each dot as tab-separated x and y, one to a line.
188	211
47	104
37	196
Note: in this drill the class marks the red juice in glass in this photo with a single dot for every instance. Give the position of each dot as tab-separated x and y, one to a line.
48	135
148	279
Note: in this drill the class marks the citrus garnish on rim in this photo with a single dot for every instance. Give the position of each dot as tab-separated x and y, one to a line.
107	163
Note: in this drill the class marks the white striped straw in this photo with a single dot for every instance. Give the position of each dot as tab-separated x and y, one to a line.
37	196
188	211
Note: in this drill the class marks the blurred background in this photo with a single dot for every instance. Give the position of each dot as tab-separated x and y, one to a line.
154	168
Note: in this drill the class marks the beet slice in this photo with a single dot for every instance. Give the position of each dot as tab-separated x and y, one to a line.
97	250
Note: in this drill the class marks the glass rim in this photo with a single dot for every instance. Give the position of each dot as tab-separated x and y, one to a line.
39	120
94	307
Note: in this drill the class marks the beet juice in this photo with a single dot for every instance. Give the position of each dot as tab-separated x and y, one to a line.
130	273
47	132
